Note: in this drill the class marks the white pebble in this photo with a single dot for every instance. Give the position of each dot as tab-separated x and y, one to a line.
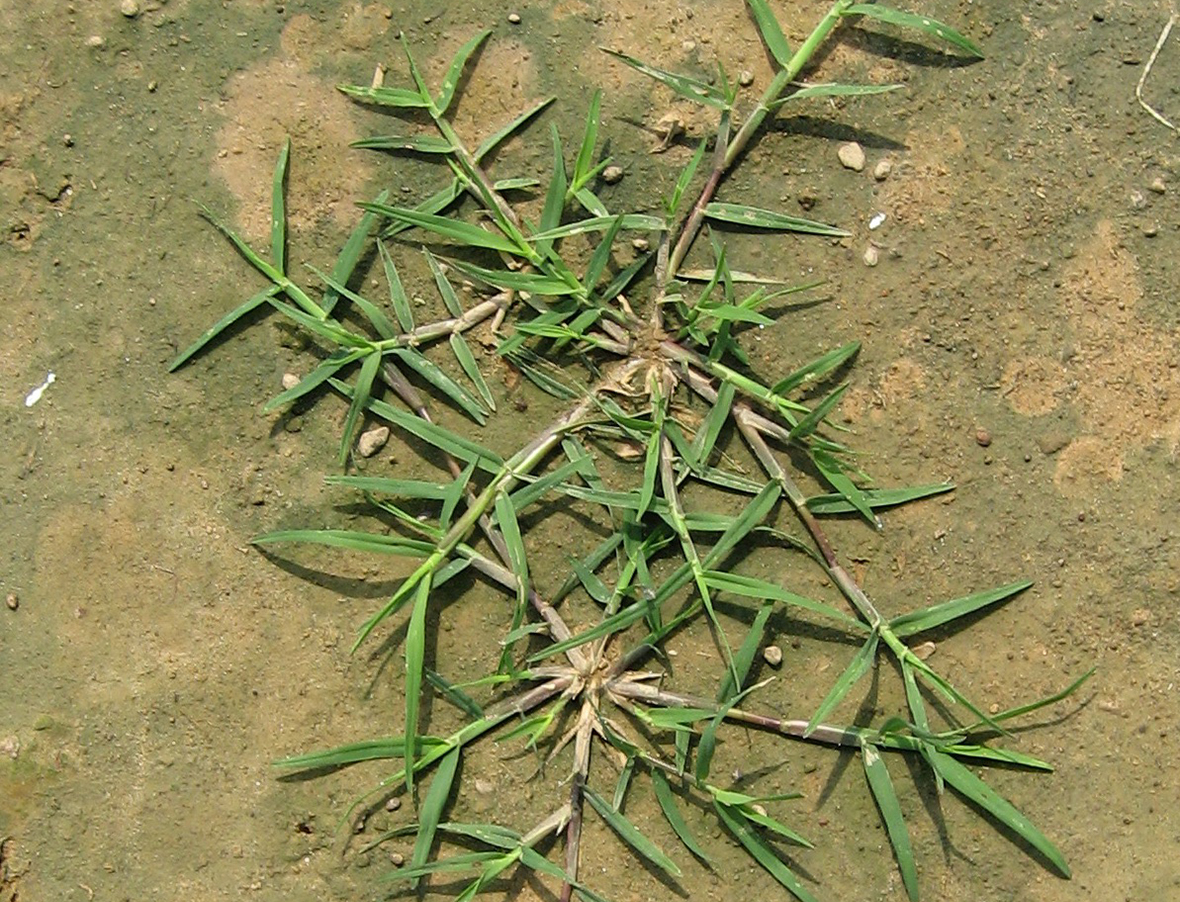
871	255
612	175
876	222
514	18
372	441
882	169
290	380
772	655
129	8
852	156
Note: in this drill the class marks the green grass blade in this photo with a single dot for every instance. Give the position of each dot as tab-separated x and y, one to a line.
971	787
666	798
455	72
351	540
329	329
682	181
413	143
532	282
278	209
877	498
354	752
445	289
758	218
630	834
415	658
372	312
584	161
690	88
515	184
635	221
736	822
360	397
222	324
706	437
912	20
832	470
936	615
590	202
772	34
601	255
554	197
397	294
455	229
464	399
817	368
467	363
493	140
881	785
752	516
443	439
835	90
436	203
395	97
808	424
430	812
857	667
752	587
744	658
402	488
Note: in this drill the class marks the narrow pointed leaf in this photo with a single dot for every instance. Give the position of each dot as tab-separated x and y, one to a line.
758	218
690	88
395	97
808	424
667	800
736	823
494	139
912	20
834	90
429	371
857	667
936	615
430	812
817	368
278	209
881	786
636	221
630	834
585	158
971	787
467	363
415	656
772	34
877	498
222	324
414	143
360	397
534	283
455	72
397	294
455	229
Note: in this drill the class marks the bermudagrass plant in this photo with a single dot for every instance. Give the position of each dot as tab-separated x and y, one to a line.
667	377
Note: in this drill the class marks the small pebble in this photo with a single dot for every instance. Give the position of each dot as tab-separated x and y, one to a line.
397	859
641	244
96	41
1157	185
871	255
484	787
514	18
882	170
290	380
612	175
746	78
772	655
12	601
129	8
923	651
393	804
983	438
852	156
372	441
